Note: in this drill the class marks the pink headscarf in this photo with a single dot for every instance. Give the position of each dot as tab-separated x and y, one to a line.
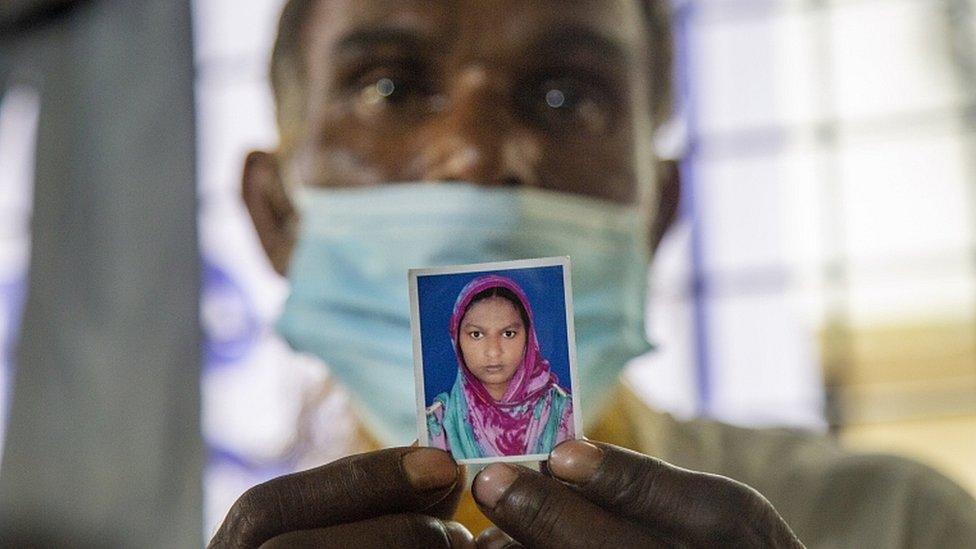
507	426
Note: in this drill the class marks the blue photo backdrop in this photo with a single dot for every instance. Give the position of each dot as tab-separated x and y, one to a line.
437	294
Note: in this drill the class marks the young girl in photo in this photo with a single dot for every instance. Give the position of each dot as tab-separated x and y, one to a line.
505	400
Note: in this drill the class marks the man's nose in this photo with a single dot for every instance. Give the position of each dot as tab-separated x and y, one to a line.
478	137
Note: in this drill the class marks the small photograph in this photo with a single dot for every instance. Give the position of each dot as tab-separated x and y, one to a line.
495	359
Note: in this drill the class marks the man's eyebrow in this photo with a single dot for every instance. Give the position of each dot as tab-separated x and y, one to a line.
567	40
364	39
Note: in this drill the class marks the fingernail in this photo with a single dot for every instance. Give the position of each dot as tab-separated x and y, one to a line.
492	483
458	535
575	461
429	468
493	538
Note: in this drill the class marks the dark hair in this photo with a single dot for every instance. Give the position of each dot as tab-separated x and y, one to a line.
288	71
504	293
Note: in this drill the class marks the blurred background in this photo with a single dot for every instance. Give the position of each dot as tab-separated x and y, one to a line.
822	275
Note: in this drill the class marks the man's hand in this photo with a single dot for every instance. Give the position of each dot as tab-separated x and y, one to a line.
401	497
599	495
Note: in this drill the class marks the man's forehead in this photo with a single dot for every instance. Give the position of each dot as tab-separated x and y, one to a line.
483	26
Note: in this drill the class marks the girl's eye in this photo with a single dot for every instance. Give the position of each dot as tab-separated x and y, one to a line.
475	335
509	333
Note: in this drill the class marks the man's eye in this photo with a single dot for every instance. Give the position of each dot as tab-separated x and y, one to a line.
385	89
558	97
386	86
570	104
389	88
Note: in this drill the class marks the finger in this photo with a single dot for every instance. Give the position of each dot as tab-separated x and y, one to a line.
393	531
355	488
446	507
700	508
459	535
494	537
542	512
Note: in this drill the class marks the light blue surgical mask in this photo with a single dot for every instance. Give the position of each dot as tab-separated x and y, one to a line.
349	303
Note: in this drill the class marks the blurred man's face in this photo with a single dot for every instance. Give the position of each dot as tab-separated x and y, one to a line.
543	93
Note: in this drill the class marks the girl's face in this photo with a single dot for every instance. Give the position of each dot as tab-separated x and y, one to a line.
492	341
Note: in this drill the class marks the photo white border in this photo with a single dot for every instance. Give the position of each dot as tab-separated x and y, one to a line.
423	437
